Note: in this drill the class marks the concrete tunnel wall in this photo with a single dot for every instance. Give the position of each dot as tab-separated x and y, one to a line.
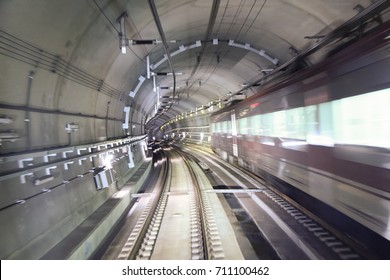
33	228
47	53
48	91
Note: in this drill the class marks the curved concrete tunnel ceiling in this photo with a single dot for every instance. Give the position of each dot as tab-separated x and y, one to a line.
72	50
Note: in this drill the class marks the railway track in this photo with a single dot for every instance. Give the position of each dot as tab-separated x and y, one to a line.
308	236
180	218
178	221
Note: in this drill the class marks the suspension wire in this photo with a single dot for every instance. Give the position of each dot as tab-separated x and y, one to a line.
253	21
226	53
102	12
210	26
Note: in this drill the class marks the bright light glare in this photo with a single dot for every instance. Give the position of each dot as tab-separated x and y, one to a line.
120	194
270	143
294	143
321	140
107	161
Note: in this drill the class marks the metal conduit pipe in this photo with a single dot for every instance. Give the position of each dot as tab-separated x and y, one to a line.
27	114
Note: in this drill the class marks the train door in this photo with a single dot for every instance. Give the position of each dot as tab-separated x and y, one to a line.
234	133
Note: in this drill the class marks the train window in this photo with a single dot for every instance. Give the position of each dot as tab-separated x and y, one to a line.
359	120
278	128
218	127
311	120
250	126
266	122
319	124
363	119
243	126
229	127
256	125
224	128
295	124
326	120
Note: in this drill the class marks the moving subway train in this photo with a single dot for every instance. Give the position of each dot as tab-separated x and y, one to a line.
322	137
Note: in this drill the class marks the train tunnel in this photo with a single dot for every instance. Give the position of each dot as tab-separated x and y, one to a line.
103	102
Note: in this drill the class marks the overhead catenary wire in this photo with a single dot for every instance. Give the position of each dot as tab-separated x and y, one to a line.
102	12
210	26
237	35
253	21
156	17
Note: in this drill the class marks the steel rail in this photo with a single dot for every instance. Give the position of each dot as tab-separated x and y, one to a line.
324	233
134	242
157	207
200	207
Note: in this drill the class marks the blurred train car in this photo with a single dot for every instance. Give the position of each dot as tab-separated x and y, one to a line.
322	137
